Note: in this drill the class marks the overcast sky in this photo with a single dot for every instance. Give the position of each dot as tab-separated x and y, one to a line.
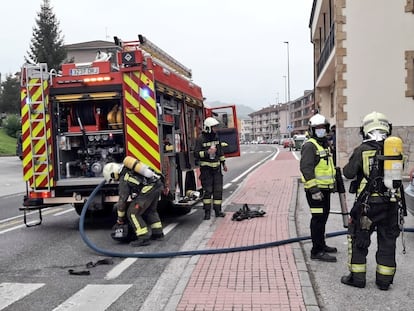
235	48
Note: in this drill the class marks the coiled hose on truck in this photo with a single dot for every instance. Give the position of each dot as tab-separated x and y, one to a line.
189	252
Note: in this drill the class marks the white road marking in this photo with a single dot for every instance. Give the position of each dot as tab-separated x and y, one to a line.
119	268
227	185
17	227
12	292
127	262
94	297
21	216
64	212
249	170
9	221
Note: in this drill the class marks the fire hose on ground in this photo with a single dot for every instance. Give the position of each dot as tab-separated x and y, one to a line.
187	252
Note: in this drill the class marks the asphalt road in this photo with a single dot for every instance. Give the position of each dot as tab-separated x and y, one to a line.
34	262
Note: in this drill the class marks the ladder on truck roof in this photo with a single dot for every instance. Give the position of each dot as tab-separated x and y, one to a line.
157	53
36	77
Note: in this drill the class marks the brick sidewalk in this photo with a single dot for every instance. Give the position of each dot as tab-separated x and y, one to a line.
264	279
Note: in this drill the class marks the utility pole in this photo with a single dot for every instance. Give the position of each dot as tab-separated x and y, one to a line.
284	77
288	70
288	86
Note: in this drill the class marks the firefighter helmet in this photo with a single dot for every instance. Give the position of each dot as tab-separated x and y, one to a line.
209	123
317	121
111	171
375	122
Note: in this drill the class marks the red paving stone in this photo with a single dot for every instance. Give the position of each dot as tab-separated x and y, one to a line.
263	279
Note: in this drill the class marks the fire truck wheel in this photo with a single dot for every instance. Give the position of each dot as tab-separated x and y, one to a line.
78	208
106	212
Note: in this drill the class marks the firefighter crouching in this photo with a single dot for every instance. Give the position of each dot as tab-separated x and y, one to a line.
209	154
377	203
144	186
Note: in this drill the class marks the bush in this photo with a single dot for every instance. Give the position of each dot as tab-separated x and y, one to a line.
12	125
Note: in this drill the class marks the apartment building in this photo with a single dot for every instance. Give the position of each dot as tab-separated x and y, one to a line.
245	130
301	110
283	120
268	123
364	62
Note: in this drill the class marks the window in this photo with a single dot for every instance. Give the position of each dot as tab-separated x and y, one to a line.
409	8
409	79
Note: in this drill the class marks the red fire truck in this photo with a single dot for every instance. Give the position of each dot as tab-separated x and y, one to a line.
141	103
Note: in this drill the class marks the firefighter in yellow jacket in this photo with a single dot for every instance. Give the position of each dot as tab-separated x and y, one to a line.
144	186
318	176
210	156
374	207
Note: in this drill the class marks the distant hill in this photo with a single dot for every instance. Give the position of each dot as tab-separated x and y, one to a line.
242	110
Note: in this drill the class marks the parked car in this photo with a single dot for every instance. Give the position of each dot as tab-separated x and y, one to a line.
19	151
288	143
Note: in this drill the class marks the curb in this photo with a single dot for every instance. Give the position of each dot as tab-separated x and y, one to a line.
308	292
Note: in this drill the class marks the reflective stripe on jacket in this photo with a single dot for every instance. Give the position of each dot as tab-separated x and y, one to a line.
324	170
367	159
203	143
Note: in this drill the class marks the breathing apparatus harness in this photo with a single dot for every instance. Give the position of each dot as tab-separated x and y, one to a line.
375	184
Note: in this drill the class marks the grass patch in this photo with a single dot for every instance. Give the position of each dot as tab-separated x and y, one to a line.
7	144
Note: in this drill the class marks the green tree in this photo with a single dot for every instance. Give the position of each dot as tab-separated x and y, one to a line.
47	43
10	95
12	125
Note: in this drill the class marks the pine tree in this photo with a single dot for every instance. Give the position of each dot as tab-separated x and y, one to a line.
10	96
47	43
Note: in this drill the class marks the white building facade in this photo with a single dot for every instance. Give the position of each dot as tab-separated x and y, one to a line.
364	62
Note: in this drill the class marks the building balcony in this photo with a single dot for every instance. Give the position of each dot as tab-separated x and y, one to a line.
326	51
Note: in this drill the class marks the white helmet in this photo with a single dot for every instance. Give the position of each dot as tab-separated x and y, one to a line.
209	123
318	120
111	171
375	123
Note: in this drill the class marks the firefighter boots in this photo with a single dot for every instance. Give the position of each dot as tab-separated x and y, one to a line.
218	212
351	280
207	214
157	236
140	242
382	285
323	256
329	249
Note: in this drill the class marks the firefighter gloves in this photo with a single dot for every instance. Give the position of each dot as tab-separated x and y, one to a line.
317	196
316	193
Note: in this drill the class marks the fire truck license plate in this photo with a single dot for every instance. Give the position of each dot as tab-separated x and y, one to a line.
84	71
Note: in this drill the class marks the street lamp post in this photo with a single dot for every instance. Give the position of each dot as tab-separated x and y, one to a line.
288	83
288	71
284	77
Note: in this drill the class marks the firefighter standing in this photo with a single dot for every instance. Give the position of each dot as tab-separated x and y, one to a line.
209	154
318	175
144	187
373	208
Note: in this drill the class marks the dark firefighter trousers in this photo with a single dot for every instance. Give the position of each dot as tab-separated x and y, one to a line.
142	211
385	221
320	212
212	182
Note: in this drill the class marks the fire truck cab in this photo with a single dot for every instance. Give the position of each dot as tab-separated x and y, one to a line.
142	104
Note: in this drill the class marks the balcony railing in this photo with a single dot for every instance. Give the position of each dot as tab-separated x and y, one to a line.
327	49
